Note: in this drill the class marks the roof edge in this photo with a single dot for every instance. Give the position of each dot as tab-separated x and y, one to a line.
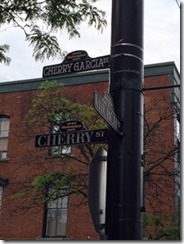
167	68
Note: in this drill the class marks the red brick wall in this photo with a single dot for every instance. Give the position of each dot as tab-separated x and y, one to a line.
22	164
162	142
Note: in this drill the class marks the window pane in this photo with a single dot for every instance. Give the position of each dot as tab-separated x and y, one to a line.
52	204
63	202
55	129
51	222
3	155
66	150
4	127
56	151
1	195
61	151
61	223
3	144
57	214
62	216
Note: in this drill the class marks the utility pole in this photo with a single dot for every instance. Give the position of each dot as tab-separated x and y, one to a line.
124	186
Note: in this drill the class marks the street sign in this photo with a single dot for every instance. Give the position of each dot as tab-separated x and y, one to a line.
108	100
77	61
107	112
71	125
71	138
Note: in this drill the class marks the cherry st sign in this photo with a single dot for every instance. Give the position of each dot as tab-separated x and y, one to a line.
71	138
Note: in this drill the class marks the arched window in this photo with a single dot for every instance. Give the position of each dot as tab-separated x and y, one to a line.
4	132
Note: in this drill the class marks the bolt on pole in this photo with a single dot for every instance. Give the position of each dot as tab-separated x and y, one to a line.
124	173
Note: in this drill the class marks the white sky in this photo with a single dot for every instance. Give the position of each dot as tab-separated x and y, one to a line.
161	41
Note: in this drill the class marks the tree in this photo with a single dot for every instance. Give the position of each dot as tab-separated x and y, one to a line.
55	104
3	58
161	227
161	171
40	19
48	111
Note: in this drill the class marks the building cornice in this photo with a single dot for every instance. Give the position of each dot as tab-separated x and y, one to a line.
167	68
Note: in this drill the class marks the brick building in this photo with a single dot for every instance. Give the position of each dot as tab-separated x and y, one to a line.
21	216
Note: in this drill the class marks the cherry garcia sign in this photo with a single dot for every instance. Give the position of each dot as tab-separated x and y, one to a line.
77	61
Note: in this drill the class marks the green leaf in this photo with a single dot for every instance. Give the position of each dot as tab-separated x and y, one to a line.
52	16
3	58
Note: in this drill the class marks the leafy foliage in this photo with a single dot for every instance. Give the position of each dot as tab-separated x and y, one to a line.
39	19
57	181
161	227
52	107
3	58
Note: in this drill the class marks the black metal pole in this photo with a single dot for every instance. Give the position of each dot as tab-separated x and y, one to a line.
123	203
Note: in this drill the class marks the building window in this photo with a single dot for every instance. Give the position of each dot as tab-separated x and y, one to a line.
4	132
1	196
58	151
56	215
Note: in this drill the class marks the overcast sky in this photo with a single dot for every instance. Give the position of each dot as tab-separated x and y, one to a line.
161	41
